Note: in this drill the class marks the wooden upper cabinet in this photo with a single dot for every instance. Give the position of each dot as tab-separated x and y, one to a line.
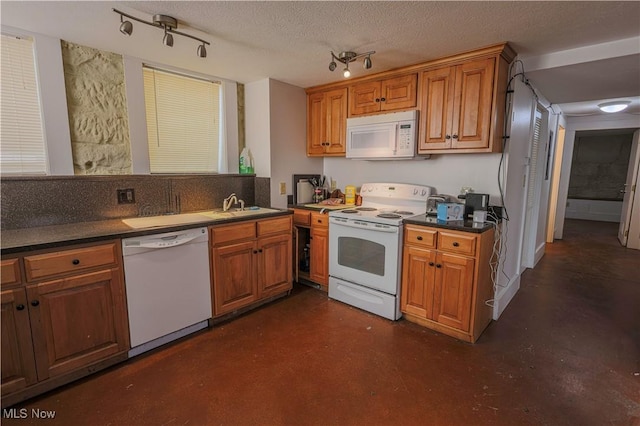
458	108
383	95
327	123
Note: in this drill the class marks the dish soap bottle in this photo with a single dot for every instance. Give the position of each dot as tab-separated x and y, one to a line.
246	164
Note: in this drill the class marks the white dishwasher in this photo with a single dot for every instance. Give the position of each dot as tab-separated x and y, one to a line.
168	286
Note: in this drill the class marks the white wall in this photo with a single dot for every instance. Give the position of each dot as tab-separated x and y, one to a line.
518	149
258	126
596	122
446	173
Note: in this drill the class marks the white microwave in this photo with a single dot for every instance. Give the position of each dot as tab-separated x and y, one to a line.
383	136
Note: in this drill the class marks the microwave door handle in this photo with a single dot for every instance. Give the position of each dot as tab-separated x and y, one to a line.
395	141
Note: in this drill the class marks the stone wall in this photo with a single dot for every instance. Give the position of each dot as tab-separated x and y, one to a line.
97	109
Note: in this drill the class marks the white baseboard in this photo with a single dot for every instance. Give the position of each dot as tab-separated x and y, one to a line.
504	296
539	253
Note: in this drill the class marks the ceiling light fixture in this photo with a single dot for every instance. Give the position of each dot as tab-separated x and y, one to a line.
614	106
164	22
346	57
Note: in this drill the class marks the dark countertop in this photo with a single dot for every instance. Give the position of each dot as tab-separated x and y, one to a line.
319	207
455	225
26	239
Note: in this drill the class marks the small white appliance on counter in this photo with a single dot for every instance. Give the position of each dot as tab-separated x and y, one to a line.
168	286
365	246
383	136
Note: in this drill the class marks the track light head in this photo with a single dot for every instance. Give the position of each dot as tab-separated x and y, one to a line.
167	40
346	72
202	51
332	65
126	27
367	63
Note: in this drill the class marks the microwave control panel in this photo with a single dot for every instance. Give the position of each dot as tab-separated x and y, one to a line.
406	136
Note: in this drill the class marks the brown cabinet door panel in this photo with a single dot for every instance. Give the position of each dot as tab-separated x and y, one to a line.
473	96
77	321
399	93
453	290
418	275
48	265
18	364
274	267
336	133
316	122
436	108
318	256
364	98
10	273
234	277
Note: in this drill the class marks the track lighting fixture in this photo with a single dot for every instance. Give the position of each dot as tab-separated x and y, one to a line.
346	57
164	22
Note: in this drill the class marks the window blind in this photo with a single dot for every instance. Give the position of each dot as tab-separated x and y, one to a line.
183	122
22	147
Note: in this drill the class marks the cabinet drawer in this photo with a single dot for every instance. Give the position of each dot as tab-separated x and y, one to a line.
274	226
10	272
240	231
319	220
420	237
457	243
301	217
67	261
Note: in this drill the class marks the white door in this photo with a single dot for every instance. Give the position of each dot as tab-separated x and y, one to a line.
629	190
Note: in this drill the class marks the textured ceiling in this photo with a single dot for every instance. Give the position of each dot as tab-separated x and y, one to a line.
291	41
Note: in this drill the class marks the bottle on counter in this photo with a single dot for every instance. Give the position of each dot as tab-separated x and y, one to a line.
350	195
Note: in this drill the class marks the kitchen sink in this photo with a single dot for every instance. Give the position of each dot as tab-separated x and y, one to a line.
187	218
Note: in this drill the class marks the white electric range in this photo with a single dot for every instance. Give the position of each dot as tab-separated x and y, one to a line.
365	246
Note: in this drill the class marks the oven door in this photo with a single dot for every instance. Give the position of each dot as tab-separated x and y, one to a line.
365	253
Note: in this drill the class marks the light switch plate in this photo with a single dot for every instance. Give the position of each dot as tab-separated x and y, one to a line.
283	188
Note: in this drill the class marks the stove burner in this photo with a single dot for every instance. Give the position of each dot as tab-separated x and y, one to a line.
350	211
389	216
366	209
404	212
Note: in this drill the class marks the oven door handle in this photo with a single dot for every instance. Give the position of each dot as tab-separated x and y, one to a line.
360	224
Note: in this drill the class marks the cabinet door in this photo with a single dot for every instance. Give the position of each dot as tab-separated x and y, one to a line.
453	290
319	256
473	99
336	122
436	103
399	93
274	265
418	275
18	364
364	98
77	321
234	283
316	123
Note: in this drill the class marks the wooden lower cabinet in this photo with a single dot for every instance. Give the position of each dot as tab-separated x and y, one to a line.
312	232
64	316
446	280
251	262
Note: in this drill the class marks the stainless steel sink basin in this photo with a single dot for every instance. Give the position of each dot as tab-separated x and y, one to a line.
186	218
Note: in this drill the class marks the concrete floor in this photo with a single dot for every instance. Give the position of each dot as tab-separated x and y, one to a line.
566	351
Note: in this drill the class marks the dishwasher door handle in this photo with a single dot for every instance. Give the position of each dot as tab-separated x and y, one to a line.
167	242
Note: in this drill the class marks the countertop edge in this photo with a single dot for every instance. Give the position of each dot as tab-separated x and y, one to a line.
456	225
45	237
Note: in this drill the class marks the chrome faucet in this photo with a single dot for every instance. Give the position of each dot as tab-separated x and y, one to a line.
230	201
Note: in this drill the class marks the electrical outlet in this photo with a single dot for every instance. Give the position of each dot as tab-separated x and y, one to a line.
333	185
283	188
126	196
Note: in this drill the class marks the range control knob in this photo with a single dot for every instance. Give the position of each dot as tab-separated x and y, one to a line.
423	192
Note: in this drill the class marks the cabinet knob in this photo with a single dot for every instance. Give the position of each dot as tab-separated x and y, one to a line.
20	307
377	99
456	244
431	263
419	238
259	250
455	136
438	265
76	261
447	137
255	252
35	302
383	99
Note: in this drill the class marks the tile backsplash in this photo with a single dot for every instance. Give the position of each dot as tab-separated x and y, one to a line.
55	200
